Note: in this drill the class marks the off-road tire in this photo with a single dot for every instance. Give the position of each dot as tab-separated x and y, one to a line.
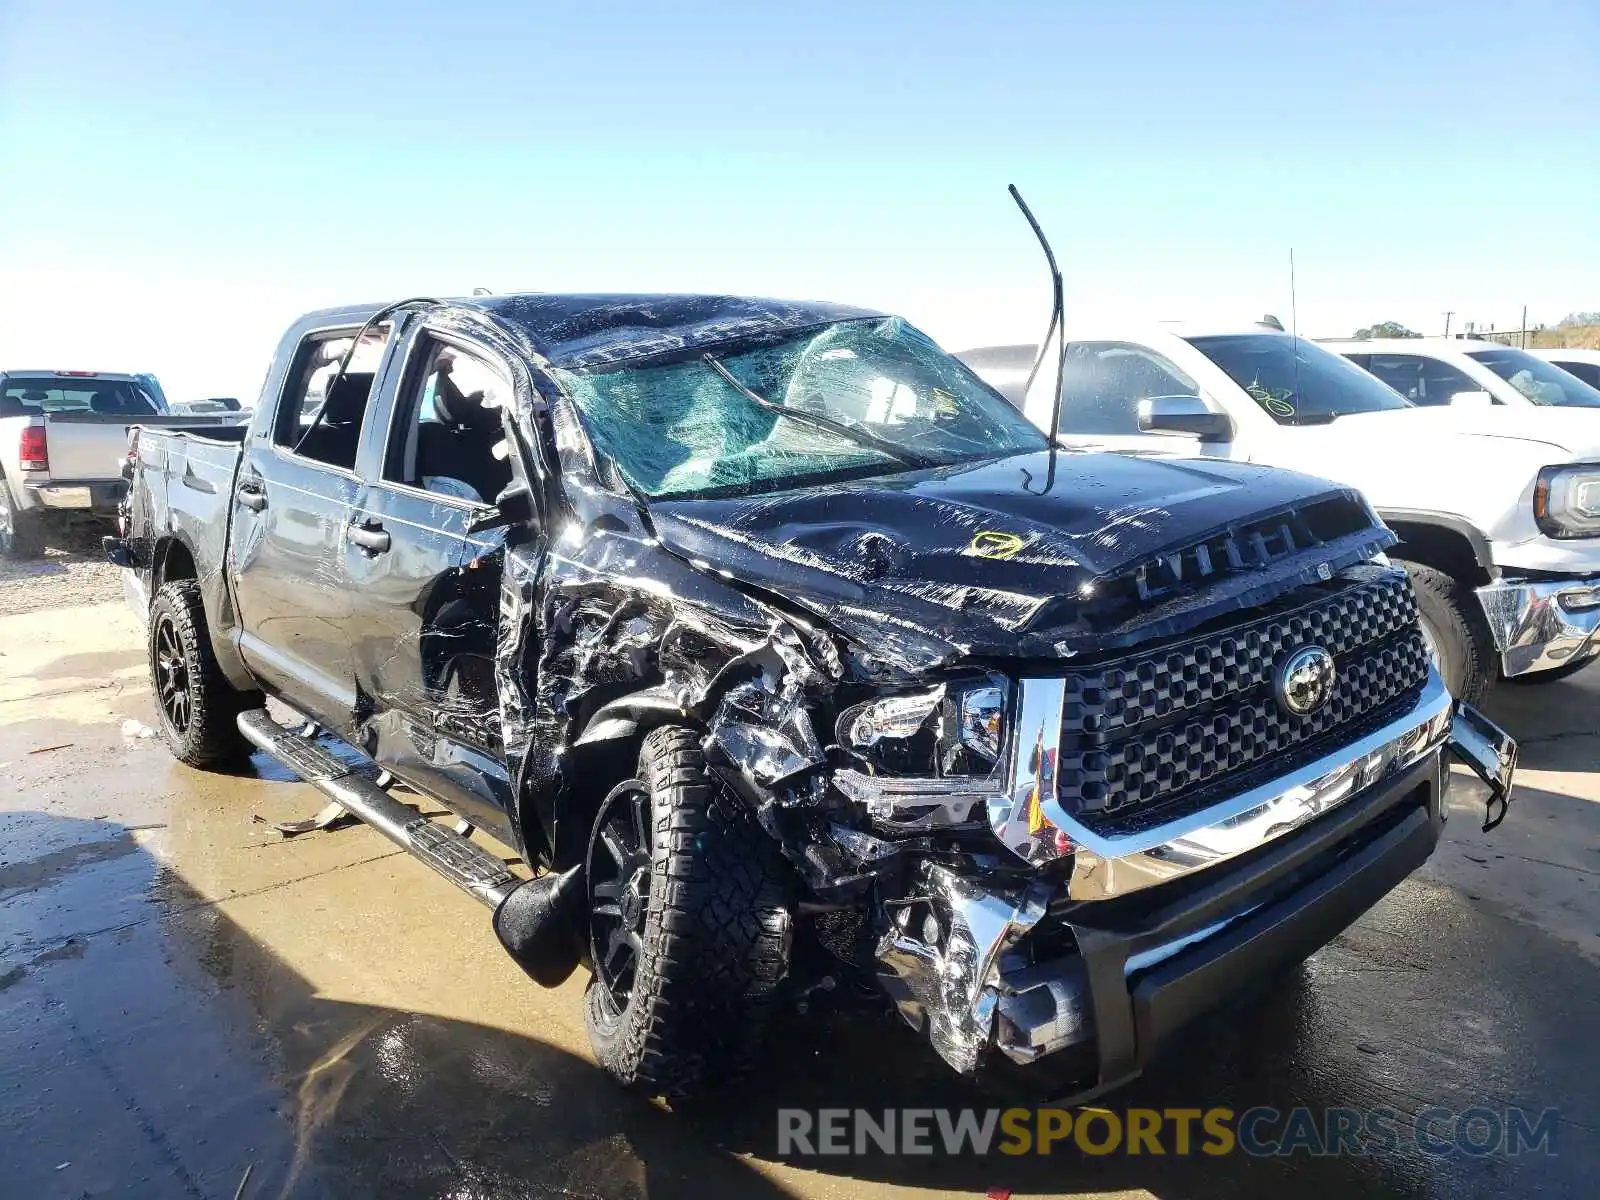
1565	671
210	738
1453	616
21	533
716	939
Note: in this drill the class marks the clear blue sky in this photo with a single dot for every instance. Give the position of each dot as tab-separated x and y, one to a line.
180	178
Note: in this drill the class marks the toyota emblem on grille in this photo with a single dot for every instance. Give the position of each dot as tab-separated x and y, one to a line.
1305	681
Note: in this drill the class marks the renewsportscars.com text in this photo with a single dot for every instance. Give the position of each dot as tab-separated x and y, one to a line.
1260	1132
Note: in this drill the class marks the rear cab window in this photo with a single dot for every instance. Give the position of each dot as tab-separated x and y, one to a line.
24	395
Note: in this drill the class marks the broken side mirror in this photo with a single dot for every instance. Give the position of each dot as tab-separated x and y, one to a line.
513	506
1184	414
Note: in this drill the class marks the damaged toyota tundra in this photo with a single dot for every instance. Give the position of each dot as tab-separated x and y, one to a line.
758	646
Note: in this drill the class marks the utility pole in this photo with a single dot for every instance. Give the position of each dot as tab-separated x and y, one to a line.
1524	326
1449	312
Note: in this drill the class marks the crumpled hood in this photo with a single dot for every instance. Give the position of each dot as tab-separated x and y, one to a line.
981	557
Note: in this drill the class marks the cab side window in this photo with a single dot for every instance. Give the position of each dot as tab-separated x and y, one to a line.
319	415
448	438
1104	382
1424	381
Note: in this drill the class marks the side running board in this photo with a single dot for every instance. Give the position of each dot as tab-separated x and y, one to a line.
463	862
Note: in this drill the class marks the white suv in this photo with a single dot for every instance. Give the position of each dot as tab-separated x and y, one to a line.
1497	508
1435	371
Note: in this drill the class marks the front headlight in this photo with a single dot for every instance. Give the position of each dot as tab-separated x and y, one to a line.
1566	501
955	728
980	712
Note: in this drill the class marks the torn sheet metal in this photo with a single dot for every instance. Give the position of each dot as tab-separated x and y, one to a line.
939	959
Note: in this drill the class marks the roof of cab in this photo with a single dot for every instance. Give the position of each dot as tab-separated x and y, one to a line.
594	330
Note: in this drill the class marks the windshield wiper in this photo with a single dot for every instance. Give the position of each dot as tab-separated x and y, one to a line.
850	433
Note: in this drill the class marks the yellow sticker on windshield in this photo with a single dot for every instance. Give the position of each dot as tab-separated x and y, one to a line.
991	543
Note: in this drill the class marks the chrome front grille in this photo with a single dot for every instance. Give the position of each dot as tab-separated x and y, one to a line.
1146	732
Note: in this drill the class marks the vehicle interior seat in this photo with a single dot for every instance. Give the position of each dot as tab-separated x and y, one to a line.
110	402
459	443
333	437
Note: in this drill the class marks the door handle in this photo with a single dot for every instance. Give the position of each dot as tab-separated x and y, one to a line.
371	537
252	495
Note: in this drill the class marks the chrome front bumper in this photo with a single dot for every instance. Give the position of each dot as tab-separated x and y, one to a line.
1030	820
1540	624
943	963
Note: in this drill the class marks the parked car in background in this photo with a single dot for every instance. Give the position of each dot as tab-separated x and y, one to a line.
787	651
214	405
63	438
1497	508
1434	371
1585	364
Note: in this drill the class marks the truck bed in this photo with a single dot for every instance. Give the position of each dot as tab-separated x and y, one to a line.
90	446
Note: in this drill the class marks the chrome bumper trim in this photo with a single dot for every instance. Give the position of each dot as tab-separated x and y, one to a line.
941	983
61	495
1029	819
1540	624
944	959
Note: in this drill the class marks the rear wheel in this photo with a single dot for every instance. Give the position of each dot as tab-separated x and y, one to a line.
1455	632
689	925
21	533
196	705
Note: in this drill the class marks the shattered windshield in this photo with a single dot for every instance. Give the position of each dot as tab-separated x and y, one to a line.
1540	381
1297	382
866	397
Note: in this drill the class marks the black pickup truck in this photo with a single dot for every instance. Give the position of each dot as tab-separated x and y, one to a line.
778	646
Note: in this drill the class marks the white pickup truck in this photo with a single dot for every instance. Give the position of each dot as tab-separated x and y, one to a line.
63	438
1465	371
1497	507
1585	364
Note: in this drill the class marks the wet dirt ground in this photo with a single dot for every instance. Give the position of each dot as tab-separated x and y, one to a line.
191	1006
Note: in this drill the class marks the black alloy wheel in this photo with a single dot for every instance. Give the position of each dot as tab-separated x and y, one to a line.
172	675
619	889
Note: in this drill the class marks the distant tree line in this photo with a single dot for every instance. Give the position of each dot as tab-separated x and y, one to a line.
1580	318
1386	329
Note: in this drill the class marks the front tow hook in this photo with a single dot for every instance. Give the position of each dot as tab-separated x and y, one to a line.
1491	753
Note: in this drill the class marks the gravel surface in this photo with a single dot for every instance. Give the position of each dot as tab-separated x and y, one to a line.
75	575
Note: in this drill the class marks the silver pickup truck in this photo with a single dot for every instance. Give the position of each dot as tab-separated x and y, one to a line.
63	439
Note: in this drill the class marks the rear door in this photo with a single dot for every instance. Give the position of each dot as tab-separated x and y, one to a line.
294	496
424	590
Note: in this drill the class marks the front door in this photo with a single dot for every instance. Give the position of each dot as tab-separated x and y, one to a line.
1100	393
296	489
424	591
